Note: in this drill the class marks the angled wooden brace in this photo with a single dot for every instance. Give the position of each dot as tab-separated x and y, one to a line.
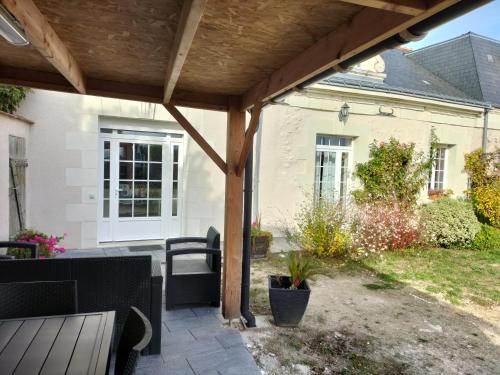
248	144
198	138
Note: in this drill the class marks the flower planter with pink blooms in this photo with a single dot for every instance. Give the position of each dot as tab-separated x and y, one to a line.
47	244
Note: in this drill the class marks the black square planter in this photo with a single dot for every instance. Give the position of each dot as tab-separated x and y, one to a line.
287	305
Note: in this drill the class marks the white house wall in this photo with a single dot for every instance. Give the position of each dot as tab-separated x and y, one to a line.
64	162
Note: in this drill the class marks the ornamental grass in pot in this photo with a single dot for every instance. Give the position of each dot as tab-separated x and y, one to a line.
289	295
261	240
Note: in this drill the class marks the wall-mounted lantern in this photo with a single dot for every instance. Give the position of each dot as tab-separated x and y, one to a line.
344	113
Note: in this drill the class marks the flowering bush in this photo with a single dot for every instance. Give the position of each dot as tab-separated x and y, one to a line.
321	229
379	227
450	223
47	245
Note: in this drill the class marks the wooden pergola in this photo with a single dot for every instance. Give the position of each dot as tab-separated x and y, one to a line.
224	55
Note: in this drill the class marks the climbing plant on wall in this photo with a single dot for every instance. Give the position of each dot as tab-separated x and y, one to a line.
11	97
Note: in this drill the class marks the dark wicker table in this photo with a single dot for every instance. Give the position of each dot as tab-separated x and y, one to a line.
65	344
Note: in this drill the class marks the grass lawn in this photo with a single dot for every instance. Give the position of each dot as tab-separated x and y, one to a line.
457	275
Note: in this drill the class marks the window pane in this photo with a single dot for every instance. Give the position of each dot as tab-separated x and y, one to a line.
106	169
125	189
140	190
106	189
174	207
155	190
140	208
176	154
141	171
155	152
125	208
141	152
175	172
174	189
105	210
106	150
126	151
154	207
154	171
125	171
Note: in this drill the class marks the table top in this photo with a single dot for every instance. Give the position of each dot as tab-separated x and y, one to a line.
65	344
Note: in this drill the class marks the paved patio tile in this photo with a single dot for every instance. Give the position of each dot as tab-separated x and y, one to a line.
171	315
150	361
206	346
194	322
230	338
176	337
224	360
203	311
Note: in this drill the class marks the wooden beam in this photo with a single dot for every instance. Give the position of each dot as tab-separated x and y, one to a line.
198	138
248	144
112	89
191	13
45	40
410	7
366	29
233	214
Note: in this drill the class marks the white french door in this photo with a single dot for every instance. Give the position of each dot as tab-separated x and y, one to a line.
139	187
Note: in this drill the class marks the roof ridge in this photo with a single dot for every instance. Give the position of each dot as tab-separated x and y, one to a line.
484	37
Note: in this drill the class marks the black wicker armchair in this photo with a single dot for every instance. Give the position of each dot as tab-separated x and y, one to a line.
135	338
19	245
38	298
193	281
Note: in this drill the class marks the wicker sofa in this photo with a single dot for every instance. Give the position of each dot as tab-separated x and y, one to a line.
104	283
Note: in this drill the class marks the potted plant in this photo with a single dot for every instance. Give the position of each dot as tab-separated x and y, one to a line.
260	240
289	295
47	244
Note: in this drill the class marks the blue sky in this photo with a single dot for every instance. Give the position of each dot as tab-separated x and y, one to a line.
484	21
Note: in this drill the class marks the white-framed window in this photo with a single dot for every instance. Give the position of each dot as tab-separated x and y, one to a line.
332	165
437	178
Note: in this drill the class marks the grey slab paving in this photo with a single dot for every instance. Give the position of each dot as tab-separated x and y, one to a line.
194	340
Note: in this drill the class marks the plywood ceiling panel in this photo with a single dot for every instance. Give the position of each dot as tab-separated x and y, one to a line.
238	43
126	40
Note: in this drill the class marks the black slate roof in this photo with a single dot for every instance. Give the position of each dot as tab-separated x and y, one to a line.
464	69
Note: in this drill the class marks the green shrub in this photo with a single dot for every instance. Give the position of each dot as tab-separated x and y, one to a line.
394	173
483	170
11	97
450	223
320	229
488	238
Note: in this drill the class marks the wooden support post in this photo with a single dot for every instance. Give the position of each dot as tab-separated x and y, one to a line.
248	144
233	216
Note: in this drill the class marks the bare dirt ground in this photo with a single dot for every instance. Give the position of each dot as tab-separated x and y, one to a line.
351	329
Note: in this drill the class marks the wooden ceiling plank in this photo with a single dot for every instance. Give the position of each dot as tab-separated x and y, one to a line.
367	28
198	138
43	37
192	11
409	7
249	134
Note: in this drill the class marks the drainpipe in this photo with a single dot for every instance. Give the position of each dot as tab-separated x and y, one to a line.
247	228
485	129
256	172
